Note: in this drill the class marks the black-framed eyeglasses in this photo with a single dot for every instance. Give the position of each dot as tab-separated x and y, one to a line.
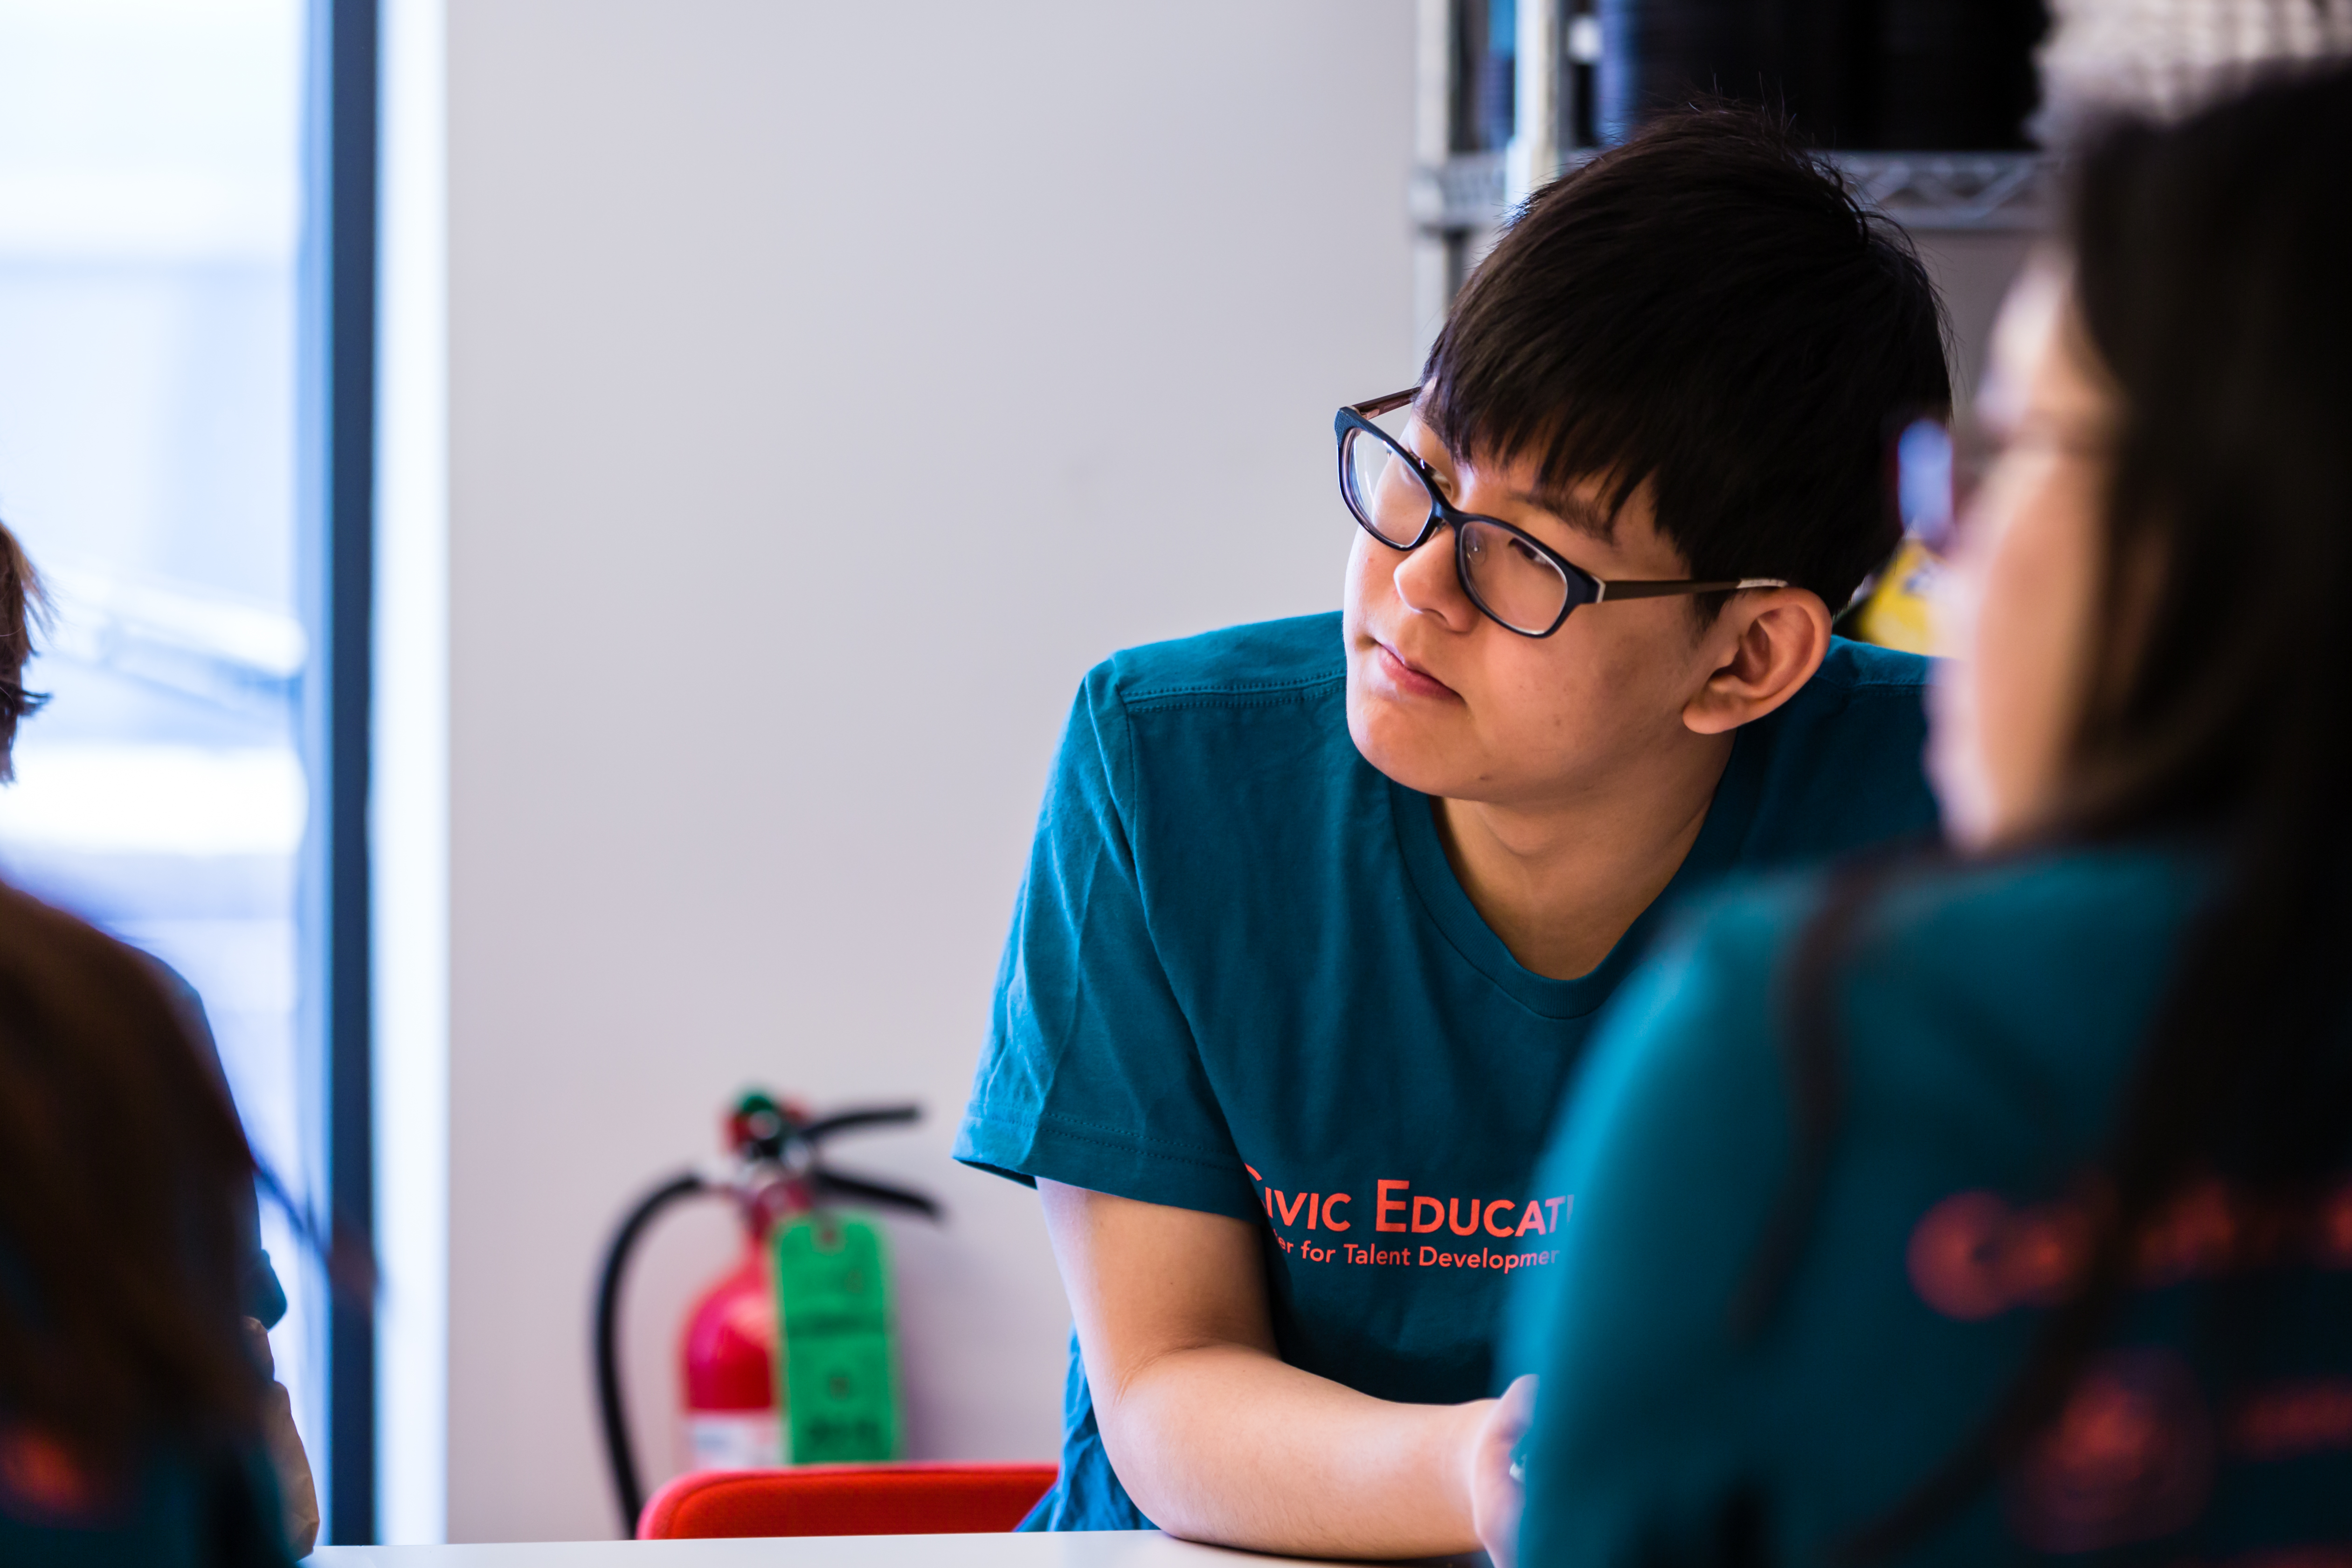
1515	579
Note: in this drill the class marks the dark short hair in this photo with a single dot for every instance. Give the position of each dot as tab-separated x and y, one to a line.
1708	308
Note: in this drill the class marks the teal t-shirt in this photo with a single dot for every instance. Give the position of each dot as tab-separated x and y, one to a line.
179	1511
1242	978
1989	1016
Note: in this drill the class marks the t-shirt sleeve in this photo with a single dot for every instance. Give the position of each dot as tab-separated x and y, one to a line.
1674	1146
1091	1076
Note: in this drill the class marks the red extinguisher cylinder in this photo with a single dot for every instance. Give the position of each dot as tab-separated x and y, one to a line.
728	1365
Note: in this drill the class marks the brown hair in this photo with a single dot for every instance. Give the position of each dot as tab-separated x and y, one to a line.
122	1169
23	606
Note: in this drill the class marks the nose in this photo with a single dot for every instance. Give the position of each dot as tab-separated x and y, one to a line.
1428	585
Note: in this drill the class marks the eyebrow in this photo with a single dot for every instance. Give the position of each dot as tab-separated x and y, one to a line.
1578	514
1574	510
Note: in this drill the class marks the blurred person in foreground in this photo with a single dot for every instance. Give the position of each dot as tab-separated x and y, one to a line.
1321	911
2017	1223
133	1388
36	1460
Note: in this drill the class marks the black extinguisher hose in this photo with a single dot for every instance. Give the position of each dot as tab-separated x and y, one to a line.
626	1487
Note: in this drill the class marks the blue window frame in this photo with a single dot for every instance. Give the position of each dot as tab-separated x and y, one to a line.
341	296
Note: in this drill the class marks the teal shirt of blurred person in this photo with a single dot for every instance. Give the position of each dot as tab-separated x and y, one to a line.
162	1499
134	1397
1999	1207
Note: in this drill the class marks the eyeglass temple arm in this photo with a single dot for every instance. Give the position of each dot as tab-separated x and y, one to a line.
1667	590
1381	405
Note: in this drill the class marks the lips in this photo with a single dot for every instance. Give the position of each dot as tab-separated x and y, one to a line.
1406	675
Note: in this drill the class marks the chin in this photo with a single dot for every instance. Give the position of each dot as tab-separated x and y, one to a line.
1956	764
1957	772
1399	745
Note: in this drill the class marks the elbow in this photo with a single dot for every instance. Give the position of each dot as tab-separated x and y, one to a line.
1153	1447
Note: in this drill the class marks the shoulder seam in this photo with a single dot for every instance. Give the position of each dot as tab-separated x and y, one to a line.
1079	1131
1213	694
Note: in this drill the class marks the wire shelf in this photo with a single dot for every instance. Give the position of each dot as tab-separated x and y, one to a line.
1980	192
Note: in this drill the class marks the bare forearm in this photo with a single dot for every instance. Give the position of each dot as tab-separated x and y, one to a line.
1227	1443
1212	1434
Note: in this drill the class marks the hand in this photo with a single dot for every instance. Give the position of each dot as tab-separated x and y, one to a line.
1497	1493
284	1445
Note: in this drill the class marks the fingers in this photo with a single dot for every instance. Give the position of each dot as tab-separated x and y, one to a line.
257	1340
1501	1492
296	1490
1518	1404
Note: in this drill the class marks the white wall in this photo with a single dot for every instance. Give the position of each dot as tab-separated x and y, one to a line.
1973	270
830	384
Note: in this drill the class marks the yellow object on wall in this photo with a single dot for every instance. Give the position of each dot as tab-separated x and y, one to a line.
1900	612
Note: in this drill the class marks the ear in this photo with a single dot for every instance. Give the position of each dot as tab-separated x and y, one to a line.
1767	644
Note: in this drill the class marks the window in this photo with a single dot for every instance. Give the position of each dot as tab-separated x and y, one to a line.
152	177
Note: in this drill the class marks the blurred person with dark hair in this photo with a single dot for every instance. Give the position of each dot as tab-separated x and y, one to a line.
2017	1224
96	1453
23	606
1320	911
131	1394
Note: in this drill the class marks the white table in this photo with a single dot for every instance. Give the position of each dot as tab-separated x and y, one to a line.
1093	1548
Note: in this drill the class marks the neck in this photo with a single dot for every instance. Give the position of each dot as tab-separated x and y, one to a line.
1562	880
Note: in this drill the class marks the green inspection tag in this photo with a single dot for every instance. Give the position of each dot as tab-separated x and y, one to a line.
841	1393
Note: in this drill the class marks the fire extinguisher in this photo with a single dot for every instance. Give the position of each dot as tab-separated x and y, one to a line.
728	1351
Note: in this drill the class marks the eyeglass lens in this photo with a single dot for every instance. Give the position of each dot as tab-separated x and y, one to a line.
1939	470
1510	580
1385	492
1927	482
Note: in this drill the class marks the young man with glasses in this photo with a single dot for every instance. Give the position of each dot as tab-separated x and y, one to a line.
1320	912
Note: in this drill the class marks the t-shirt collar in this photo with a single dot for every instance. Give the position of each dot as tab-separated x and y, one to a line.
1715	851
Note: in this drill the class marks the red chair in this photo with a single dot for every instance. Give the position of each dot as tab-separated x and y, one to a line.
845	1500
